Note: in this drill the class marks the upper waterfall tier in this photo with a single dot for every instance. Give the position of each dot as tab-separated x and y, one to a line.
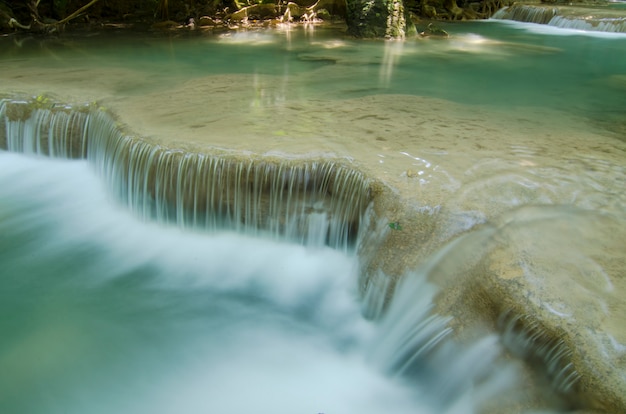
599	19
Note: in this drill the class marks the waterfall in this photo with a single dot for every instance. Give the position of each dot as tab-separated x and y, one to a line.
100	301
305	297
595	20
525	13
309	202
302	310
616	25
527	339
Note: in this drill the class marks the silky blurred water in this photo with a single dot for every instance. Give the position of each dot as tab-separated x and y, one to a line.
102	313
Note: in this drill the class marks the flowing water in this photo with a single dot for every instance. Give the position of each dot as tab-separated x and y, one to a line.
104	313
187	273
602	18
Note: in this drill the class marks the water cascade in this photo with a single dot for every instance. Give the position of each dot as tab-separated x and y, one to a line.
102	255
313	203
528	14
576	18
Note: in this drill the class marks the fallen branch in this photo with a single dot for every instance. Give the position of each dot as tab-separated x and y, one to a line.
77	12
73	15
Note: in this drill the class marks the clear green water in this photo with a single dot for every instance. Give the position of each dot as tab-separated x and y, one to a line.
495	63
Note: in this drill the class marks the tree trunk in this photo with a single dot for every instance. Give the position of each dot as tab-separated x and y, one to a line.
376	18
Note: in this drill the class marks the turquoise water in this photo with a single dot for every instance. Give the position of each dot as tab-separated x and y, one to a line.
502	64
103	313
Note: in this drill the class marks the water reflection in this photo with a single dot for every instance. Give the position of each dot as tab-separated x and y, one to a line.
391	58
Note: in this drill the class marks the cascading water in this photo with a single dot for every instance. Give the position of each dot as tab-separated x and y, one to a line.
576	18
607	24
110	313
190	320
529	14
